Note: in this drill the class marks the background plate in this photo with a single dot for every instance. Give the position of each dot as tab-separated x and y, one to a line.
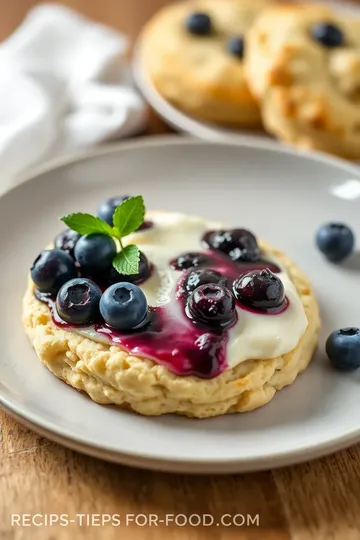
280	194
184	123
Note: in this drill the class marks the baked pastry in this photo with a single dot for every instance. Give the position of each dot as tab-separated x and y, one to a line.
303	64
229	321
193	53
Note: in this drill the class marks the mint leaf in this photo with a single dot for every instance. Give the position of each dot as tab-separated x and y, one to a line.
87	224
129	215
127	260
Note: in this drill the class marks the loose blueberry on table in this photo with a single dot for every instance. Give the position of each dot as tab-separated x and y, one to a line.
343	349
93	280
335	240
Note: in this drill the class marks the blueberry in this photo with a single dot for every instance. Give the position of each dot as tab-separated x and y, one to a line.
78	300
239	244
212	305
189	260
124	307
95	252
199	277
335	240
111	276
236	46
260	289
343	348
52	269
66	241
327	34
199	24
107	208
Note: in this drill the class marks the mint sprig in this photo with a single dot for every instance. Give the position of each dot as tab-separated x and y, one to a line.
87	224
127	260
127	218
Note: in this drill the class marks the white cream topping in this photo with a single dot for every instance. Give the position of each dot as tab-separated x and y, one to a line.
254	336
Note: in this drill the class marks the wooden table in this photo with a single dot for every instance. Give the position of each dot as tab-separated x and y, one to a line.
318	500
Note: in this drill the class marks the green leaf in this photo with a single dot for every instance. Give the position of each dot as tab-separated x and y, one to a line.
87	224
127	260
129	215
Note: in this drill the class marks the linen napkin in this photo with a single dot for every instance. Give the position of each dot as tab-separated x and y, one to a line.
65	84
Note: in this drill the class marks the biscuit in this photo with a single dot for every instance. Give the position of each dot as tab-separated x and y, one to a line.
309	92
197	73
109	375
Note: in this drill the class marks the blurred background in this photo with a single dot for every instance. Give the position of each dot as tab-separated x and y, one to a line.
125	15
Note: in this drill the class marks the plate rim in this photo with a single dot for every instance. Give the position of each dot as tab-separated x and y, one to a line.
141	458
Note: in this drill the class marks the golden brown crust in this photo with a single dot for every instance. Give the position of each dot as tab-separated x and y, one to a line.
110	375
197	73
309	94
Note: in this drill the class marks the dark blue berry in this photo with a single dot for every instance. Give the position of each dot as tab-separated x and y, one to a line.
336	241
202	276
95	252
52	269
112	276
260	289
78	300
107	208
199	24
328	34
343	348
212	305
239	244
66	241
189	260
236	46
124	307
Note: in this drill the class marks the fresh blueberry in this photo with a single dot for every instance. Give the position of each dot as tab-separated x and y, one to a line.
212	305
327	34
52	269
343	348
199	24
260	290
188	260
124	307
95	252
195	278
78	300
236	46
336	241
111	276
239	244
66	241
107	208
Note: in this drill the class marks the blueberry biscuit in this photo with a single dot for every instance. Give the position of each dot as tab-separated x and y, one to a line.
193	53
230	321
303	64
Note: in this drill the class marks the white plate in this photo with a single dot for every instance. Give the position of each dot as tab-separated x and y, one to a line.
184	123
280	194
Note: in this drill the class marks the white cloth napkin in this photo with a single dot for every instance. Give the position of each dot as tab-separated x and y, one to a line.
65	84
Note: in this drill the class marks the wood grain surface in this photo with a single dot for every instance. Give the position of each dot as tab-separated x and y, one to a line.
319	500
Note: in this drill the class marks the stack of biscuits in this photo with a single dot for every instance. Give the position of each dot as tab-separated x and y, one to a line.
293	69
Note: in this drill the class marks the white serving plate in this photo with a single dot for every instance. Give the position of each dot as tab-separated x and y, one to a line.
282	196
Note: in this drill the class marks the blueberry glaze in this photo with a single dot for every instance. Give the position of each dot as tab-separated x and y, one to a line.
171	338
